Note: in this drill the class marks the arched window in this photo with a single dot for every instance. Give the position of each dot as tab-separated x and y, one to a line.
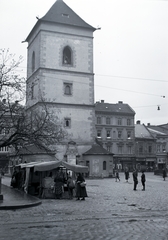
104	165
33	61
67	90
67	56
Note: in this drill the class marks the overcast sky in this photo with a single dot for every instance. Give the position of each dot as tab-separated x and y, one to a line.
130	50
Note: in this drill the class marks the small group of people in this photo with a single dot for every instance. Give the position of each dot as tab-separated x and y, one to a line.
135	178
79	185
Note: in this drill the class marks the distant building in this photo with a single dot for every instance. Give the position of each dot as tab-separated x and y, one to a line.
99	161
160	132
145	148
115	132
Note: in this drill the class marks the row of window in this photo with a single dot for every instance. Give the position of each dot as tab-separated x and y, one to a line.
108	121
117	134
121	149
67	56
144	150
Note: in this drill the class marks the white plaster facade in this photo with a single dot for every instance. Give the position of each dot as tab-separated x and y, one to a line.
47	76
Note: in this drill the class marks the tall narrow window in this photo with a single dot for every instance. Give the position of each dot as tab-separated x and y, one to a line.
128	122
98	120
108	134
150	149
158	148
119	134
104	165
99	133
128	134
67	122
33	61
108	120
129	150
119	121
67	56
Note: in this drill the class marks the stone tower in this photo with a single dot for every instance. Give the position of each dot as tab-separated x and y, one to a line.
60	69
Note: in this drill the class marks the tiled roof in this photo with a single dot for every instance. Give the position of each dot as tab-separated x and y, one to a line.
142	132
159	128
97	150
156	131
62	13
32	149
114	108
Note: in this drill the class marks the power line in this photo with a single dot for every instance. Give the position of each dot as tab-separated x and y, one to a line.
144	79
115	76
103	86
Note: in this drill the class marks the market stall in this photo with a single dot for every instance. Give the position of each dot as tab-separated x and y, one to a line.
39	177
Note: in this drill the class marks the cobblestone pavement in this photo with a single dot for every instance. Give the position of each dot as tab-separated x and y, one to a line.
112	211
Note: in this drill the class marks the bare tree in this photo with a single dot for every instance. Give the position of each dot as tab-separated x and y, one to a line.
19	127
12	83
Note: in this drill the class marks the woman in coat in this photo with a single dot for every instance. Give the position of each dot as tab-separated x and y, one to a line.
59	183
80	191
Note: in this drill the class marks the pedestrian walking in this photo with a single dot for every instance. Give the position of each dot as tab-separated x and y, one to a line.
126	174
135	179
117	175
164	174
143	180
80	187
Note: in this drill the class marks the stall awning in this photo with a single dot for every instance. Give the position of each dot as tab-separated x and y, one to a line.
48	166
76	168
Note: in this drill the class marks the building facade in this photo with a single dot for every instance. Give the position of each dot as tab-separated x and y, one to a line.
60	71
145	148
160	133
116	133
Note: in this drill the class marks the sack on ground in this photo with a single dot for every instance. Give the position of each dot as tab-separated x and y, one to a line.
83	184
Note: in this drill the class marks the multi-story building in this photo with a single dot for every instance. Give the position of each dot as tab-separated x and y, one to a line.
145	148
60	72
115	131
160	132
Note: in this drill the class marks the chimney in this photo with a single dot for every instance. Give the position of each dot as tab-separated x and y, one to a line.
102	101
148	124
138	122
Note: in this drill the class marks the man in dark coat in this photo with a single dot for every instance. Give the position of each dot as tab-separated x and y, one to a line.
135	179
143	180
164	174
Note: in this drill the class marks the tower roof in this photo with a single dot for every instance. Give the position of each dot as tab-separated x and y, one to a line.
61	13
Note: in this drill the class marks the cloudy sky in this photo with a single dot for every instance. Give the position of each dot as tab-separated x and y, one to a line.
130	50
